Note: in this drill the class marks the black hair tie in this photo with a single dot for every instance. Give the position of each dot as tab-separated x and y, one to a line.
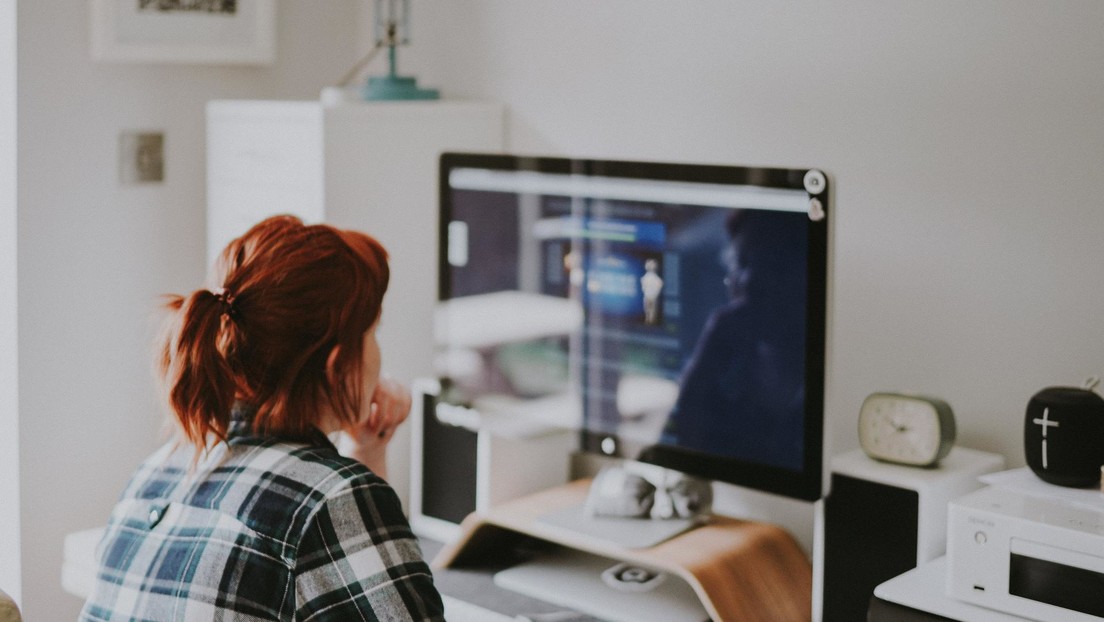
226	299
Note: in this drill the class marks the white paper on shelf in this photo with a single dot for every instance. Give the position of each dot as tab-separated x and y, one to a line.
1024	481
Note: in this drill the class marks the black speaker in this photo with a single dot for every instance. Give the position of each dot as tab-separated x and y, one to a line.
1064	436
448	461
858	555
464	461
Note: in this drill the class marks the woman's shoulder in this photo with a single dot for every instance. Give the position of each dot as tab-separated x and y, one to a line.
271	485
313	464
319	486
324	468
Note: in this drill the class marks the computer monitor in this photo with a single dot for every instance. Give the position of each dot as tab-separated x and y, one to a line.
673	313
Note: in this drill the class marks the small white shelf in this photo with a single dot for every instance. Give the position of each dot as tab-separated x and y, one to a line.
922	589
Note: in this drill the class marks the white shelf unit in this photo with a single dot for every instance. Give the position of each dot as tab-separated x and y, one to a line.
367	166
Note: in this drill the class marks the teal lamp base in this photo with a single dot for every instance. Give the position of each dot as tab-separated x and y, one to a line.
391	87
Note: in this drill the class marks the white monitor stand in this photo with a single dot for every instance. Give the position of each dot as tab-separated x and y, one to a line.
736	568
604	588
599	585
636	505
633	533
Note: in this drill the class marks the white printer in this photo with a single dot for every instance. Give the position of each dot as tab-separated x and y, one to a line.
1028	548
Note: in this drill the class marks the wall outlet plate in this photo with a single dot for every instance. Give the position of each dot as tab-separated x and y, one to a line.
141	157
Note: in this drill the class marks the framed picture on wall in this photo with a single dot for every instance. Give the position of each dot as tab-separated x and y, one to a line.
224	32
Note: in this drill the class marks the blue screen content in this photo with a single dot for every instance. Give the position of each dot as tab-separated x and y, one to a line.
631	311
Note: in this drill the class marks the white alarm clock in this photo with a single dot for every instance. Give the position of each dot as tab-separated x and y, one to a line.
914	430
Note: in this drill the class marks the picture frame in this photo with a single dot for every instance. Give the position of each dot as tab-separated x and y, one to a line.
216	32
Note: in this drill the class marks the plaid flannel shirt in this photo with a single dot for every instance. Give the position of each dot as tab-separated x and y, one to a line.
261	529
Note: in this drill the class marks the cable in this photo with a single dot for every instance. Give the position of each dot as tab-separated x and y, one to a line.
360	64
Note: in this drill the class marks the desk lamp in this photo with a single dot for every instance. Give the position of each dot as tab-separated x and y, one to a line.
392	29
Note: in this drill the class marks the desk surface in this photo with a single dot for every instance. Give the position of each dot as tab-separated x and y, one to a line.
471	595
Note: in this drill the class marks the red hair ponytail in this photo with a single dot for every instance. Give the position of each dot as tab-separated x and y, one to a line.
291	295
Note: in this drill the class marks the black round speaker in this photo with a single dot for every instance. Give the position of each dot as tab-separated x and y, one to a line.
1064	436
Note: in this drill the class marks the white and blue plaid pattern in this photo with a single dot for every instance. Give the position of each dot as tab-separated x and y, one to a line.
260	529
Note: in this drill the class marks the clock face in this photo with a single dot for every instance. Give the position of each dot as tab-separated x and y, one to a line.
905	429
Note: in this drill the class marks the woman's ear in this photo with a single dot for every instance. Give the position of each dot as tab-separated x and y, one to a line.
331	365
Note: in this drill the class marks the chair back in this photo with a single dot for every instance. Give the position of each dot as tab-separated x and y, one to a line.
9	612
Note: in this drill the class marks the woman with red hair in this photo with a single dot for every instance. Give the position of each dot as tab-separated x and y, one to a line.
250	513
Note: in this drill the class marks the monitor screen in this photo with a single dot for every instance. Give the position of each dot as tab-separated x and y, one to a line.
674	314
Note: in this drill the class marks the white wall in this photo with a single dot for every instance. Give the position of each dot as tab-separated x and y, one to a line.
9	366
93	255
964	139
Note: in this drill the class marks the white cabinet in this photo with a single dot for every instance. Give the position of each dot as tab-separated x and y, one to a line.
367	166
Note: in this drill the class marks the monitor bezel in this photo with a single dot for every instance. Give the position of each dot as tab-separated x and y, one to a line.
806	484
